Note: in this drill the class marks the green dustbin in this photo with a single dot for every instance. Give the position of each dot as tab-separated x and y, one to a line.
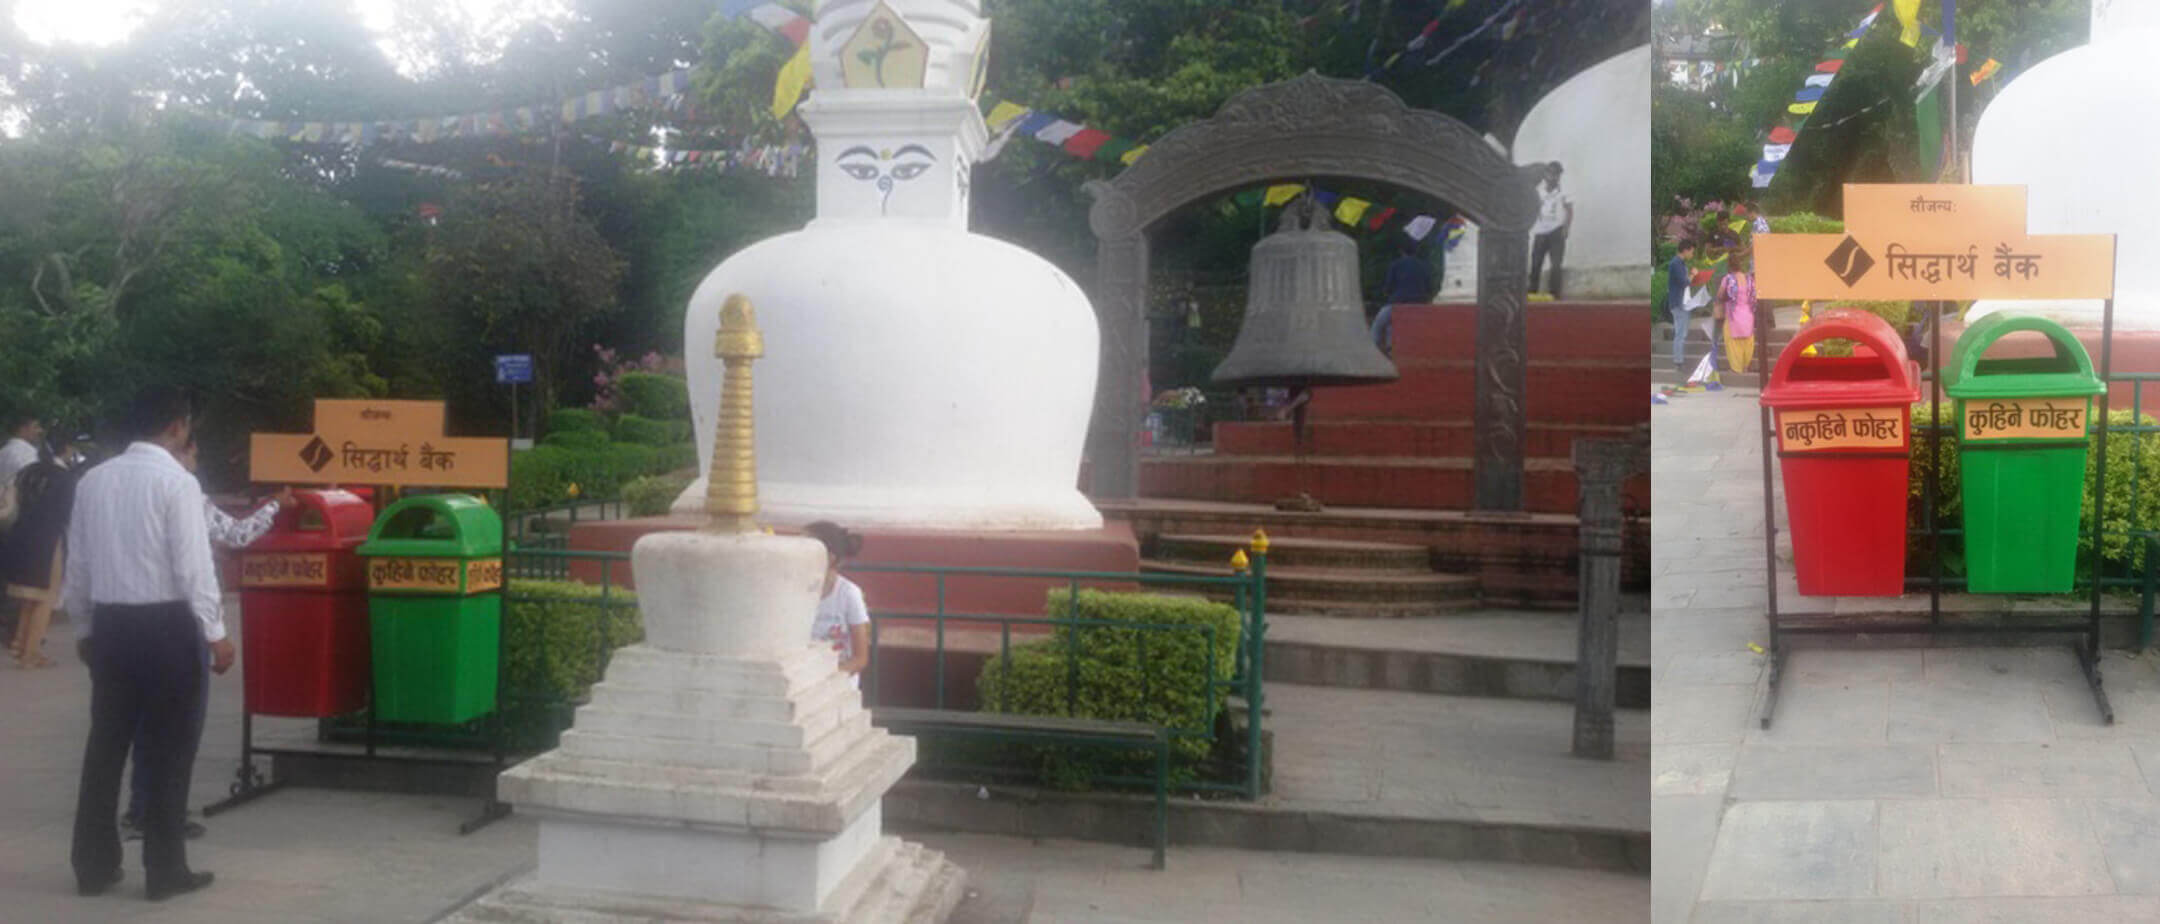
435	574
2023	427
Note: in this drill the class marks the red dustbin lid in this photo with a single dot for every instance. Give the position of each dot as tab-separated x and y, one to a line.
318	520
1878	372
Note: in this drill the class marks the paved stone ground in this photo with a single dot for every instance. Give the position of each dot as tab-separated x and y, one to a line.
1417	755
1896	785
321	856
1541	635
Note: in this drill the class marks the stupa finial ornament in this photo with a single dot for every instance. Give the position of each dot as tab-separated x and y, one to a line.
731	493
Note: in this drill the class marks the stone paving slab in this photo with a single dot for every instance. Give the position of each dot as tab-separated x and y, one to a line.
1899	782
328	857
1541	635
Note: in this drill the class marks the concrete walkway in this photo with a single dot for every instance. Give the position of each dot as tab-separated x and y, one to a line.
320	856
1896	785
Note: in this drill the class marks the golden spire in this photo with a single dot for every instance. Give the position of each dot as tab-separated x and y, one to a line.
731	487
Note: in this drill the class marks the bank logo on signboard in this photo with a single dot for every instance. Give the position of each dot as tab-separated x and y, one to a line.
1850	261
316	454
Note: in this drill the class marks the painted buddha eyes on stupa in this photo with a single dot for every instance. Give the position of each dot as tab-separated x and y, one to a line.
886	167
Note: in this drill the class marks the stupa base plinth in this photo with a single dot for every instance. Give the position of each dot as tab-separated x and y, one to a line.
900	882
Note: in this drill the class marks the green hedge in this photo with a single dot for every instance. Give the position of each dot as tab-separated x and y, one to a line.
576	439
1168	689
574	418
655	396
2124	450
541	476
631	428
552	638
1804	223
652	495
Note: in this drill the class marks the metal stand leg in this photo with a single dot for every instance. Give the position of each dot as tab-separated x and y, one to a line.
2089	660
1777	673
249	784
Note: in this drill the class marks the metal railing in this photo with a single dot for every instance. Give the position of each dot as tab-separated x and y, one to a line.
1248	595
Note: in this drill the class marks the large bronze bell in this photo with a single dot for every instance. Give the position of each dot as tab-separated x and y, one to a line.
1304	310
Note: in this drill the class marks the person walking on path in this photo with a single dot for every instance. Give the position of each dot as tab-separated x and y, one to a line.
1409	282
24	430
143	589
32	552
226	532
1556	214
1736	308
1678	277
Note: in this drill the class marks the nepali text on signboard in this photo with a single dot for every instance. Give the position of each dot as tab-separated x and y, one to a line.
304	569
1934	242
1841	428
435	575
2025	419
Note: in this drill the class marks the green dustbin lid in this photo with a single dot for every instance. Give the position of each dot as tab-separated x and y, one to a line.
436	526
2068	373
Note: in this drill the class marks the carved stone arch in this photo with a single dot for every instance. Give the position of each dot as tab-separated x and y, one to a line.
1309	127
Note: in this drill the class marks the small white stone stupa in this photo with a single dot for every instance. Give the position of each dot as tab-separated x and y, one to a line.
2077	130
725	769
1597	125
923	377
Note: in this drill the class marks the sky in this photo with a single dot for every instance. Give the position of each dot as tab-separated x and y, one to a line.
107	22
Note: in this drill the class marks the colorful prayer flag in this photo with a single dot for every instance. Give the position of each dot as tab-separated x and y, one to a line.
1376	221
1908	12
1781	135
1985	71
1420	226
1129	156
1086	142
1057	132
793	80
1800	108
1351	210
1277	195
1004	113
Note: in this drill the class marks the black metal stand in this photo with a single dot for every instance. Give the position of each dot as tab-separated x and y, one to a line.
2087	646
249	783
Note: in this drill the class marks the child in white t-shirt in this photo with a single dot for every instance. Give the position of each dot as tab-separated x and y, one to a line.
843	620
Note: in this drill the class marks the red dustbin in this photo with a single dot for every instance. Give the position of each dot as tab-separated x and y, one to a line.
1844	443
304	609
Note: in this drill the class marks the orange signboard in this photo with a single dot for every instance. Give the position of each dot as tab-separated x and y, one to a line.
2026	419
1919	242
305	569
378	443
1841	428
434	575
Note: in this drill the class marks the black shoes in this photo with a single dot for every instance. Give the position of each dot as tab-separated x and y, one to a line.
160	891
90	888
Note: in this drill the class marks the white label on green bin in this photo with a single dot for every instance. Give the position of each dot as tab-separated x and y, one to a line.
2025	419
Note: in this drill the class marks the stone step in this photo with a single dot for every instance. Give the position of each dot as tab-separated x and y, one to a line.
1346	592
1296	553
1429	439
1433	483
1513	654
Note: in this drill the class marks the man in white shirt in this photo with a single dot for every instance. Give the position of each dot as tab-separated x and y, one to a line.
24	431
142	587
1556	214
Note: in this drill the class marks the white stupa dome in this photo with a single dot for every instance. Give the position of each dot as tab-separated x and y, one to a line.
2075	131
1583	125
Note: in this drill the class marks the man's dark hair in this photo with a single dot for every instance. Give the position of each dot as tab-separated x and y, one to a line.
16	417
1686	246
839	542
156	408
1409	247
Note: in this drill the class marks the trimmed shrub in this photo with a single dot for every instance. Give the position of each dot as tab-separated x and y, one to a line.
2124	512
574	418
1804	223
576	439
631	428
652	495
541	476
654	396
552	638
1169	687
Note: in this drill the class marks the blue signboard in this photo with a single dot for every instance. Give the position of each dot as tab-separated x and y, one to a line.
514	369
